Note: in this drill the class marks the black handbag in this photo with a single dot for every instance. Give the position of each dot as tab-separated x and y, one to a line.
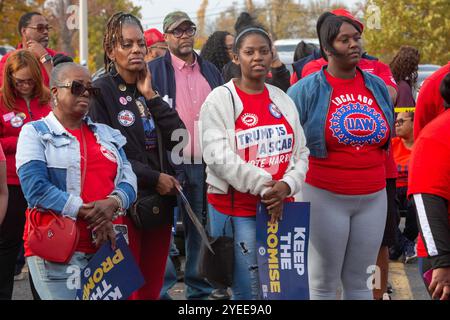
218	267
151	209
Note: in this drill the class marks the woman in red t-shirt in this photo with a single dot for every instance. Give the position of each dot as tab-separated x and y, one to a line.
346	180
23	98
254	148
3	186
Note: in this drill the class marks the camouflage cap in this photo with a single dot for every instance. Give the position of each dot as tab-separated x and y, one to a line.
174	19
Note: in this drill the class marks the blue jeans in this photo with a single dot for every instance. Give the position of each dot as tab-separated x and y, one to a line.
57	281
170	275
245	278
196	286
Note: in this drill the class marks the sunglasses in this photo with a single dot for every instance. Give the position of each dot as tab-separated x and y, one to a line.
41	28
23	82
400	122
77	88
178	33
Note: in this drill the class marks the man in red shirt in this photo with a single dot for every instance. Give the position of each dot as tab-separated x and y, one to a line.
429	103
34	28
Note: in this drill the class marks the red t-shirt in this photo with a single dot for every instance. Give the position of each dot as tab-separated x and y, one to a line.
374	67
98	184
429	170
355	132
429	101
2	155
265	139
401	157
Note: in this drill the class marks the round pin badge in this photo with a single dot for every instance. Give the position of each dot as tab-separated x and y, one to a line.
129	99
126	118
274	111
22	115
123	101
122	87
16	122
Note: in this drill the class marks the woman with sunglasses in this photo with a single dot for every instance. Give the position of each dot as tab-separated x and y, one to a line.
23	98
129	103
76	168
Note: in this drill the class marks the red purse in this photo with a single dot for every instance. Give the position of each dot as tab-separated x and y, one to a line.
56	241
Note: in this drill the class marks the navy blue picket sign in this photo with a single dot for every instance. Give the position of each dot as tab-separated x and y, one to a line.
111	274
282	252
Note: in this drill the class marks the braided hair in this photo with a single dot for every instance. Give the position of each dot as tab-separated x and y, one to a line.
113	33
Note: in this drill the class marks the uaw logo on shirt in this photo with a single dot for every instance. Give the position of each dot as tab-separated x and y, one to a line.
357	125
108	154
250	119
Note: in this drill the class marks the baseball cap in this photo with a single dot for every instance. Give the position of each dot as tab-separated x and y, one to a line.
174	19
345	13
153	36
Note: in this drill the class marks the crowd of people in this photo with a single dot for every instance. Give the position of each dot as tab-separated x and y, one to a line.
230	127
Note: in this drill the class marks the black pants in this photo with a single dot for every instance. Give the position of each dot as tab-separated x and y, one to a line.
411	230
11	232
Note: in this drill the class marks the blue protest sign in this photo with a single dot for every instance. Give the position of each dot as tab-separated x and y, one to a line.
110	275
282	252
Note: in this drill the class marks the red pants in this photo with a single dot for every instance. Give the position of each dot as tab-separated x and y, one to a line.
150	248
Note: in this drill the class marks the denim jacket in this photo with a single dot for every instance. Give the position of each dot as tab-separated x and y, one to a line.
312	96
48	165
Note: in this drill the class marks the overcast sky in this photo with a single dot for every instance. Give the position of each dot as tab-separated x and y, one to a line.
154	11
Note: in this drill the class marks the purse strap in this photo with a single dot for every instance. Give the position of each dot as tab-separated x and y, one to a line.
225	225
234	114
160	147
32	214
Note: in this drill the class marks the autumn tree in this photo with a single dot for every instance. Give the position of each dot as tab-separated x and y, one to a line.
63	15
283	18
424	24
10	12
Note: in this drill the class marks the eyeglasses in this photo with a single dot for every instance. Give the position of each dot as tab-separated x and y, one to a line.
400	122
178	33
77	88
41	28
23	82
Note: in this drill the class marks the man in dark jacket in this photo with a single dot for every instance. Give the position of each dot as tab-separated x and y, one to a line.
184	80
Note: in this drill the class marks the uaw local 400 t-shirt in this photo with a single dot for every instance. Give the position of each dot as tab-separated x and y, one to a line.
265	139
355	131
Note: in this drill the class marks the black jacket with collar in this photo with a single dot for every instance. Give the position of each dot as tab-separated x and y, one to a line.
106	107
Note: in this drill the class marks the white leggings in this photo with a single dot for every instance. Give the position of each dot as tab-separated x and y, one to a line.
345	237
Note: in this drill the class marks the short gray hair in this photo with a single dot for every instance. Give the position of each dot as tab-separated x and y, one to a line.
59	71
